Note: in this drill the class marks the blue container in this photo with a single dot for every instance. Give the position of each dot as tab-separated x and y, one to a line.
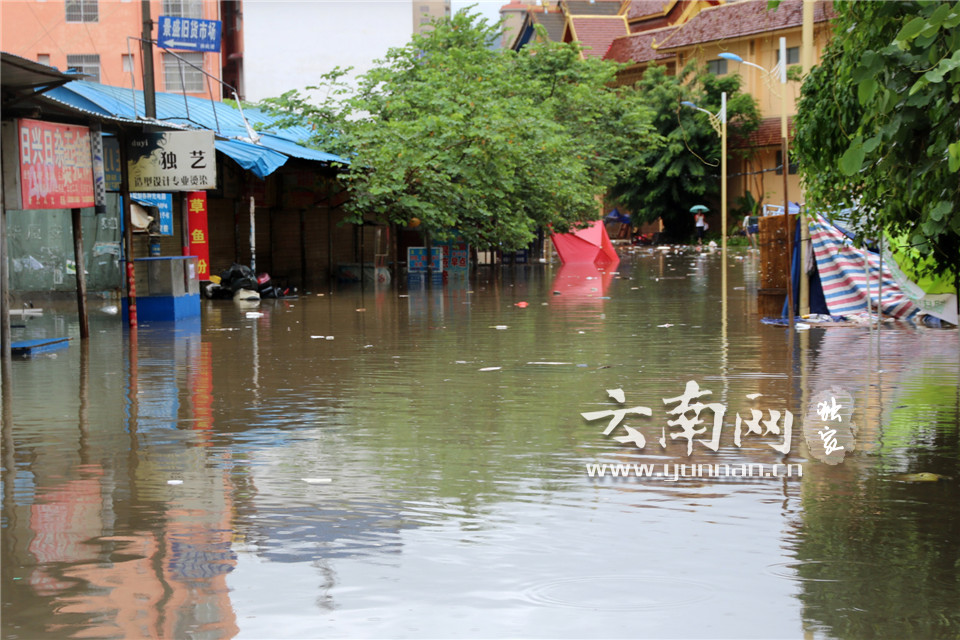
169	291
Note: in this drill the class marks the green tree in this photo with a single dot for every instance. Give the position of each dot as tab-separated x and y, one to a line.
878	127
492	144
665	181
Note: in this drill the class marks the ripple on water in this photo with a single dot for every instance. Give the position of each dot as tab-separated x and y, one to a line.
637	592
824	570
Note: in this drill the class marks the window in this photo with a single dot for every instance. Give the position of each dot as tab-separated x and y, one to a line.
717	67
183	8
192	78
43	58
793	55
82	11
793	165
424	8
88	63
127	62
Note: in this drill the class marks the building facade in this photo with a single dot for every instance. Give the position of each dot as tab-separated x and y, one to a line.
101	38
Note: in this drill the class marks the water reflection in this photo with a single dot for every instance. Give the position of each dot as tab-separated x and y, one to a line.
364	463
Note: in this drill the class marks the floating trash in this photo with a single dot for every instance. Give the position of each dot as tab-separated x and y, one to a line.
522	305
549	363
919	477
317	480
801	326
318	337
174	481
491	369
329	337
501	327
664	326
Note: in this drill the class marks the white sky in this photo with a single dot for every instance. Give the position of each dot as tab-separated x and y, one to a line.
490	9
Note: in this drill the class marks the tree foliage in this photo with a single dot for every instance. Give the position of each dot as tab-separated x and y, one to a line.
878	127
492	144
665	181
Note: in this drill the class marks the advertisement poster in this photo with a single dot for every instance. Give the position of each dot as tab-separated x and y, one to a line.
56	168
164	204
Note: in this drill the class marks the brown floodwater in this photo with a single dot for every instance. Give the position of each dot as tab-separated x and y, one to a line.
413	462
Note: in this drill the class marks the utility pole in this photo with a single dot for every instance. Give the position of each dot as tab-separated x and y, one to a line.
807	61
146	48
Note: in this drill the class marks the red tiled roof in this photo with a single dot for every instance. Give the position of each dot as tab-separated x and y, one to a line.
596	33
595	8
514	6
636	46
768	133
644	8
740	19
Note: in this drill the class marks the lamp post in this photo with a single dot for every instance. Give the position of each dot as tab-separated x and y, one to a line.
779	71
719	123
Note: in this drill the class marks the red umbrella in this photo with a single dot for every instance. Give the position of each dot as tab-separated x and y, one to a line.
590	245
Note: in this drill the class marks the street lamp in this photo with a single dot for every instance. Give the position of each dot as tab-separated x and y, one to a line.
779	71
719	123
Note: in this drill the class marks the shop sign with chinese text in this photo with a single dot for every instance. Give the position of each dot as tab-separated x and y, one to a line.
172	161
56	168
198	231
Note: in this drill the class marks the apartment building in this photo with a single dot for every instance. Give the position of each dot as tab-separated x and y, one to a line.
101	39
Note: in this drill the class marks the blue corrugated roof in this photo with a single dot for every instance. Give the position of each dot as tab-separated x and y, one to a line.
261	162
190	111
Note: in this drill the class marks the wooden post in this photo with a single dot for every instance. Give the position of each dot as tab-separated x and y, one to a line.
81	275
303	250
4	290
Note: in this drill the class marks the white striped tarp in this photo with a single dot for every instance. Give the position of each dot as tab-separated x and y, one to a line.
843	274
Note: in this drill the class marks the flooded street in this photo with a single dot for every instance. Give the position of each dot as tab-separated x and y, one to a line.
414	463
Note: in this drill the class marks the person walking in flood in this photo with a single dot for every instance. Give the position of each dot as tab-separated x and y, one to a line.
701	225
751	227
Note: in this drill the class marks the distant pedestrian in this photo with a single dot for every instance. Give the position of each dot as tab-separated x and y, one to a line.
751	227
701	224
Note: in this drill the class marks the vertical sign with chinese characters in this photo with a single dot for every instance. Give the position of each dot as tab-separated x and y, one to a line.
172	161
56	168
197	223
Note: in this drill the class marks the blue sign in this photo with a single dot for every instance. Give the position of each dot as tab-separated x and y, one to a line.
189	34
164	203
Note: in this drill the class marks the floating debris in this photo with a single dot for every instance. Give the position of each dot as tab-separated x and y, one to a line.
317	480
919	477
491	369
501	327
664	326
522	305
174	481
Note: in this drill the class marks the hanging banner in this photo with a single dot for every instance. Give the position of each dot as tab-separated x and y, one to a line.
197	229
172	161
56	167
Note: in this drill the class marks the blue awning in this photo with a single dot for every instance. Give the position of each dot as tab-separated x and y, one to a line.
257	159
273	149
